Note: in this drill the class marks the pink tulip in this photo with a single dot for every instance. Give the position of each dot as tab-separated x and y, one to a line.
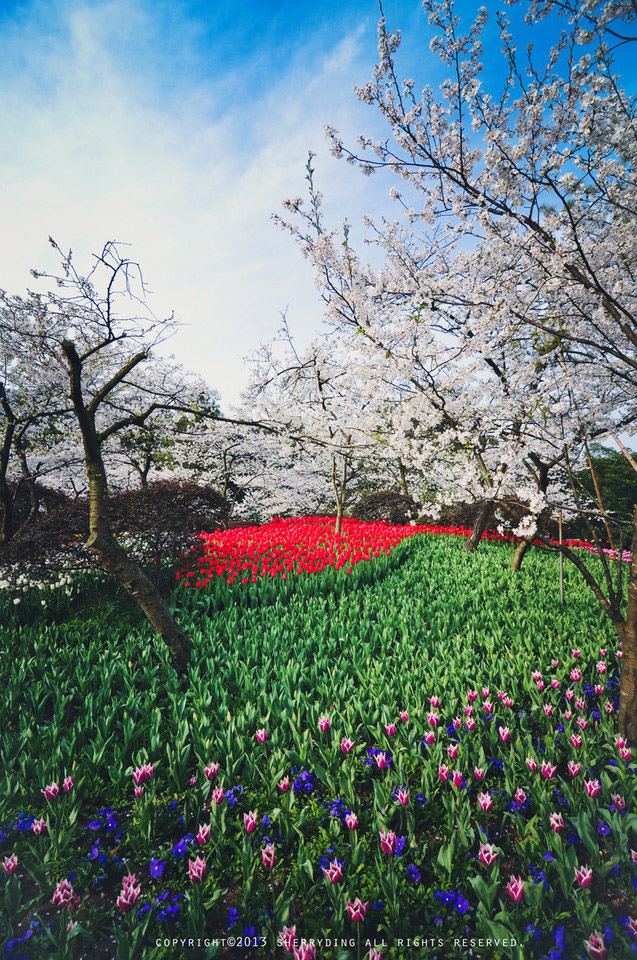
402	796
619	655
468	710
351	821
204	834
569	694
625	753
574	768
488	706
548	709
374	954
515	888
193	780
217	795
520	796
557	822
430	737
487	854
196	870
268	856
485	693
577	653
284	784
452	750
567	714
536	675
443	772
470	724
390	729
10	864
555	684
261	735
458	778
508	702
324	723
576	675
584	876
334	872
387	841
504	733
633	856
404	716
540	685
434	701
599	689
592	787
287	938
432	718
555	664
64	896
478	773
602	667
304	951
620	742
250	820
501	694
618	800
608	707
632	925
472	695
576	740
211	770
51	791
68	784
547	770
595	947
485	801
357	910
602	652
457	722
531	764
346	744
39	827
145	772
381	760
138	791
581	723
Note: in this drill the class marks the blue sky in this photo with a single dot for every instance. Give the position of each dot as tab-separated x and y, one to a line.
179	128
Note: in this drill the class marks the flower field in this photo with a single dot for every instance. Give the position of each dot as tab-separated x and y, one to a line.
385	746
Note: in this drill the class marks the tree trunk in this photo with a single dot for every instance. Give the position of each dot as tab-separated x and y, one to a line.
112	557
520	552
479	525
114	560
628	668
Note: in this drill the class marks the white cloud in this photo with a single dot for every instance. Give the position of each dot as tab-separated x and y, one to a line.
101	149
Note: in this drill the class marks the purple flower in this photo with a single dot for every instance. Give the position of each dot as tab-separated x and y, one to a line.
413	872
233	916
157	867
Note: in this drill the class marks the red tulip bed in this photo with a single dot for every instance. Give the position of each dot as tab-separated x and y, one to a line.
398	751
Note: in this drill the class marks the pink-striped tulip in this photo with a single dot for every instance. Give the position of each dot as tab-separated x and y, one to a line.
443	772
520	795
488	706
211	770
485	801
287	938
569	694
536	675
602	652
434	701
250	821
432	718
632	926
324	723
196	869
39	827
64	896
508	702
457	722
334	872
595	947
402	795
485	693
555	684
430	737
468	710
574	768
204	834
599	689
138	791
557	822
531	763
567	714
10	864
261	735
351	821
51	791
487	854
576	675
375	954
387	841
548	770
357	910
381	760
540	685
504	733
268	856
584	876
68	784
284	784
217	795
515	888
602	667
618	800
576	740
576	653
592	787
555	664
478	773
347	745
625	753
633	856
458	778
304	951
470	724
390	729
404	716
452	750
548	709
472	695
581	723
608	707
